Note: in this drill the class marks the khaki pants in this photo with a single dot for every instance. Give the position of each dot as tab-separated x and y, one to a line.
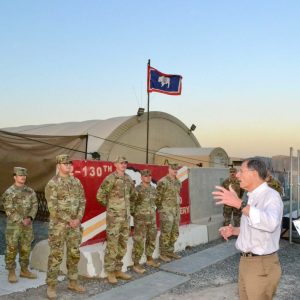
259	277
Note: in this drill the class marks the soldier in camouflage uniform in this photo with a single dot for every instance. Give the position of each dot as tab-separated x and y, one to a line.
115	193
20	205
66	204
274	183
168	204
144	213
228	211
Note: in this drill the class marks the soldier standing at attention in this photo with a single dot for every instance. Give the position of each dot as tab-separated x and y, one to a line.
116	193
228	211
168	203
144	213
20	205
66	204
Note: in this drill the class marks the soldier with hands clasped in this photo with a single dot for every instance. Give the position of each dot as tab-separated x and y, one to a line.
20	205
168	204
115	194
145	228
66	204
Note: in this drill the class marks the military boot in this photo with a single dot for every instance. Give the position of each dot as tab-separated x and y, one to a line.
111	277
122	275
27	274
12	278
51	292
151	262
75	286
173	255
138	268
164	258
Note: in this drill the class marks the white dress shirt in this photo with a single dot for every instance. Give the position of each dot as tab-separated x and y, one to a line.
260	231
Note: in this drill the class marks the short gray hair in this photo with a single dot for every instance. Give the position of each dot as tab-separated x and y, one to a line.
258	165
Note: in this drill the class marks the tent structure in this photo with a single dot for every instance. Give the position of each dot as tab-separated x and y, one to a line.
35	146
36	153
201	157
122	135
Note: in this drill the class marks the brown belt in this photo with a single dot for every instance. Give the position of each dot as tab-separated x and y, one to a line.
250	254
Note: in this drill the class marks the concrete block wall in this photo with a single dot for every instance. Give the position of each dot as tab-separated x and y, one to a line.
204	211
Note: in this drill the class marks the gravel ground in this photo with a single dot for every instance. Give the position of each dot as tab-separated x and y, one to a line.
214	282
219	280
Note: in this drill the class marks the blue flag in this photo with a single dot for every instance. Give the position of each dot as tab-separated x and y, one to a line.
163	83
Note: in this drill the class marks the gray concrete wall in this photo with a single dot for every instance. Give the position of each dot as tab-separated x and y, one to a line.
204	211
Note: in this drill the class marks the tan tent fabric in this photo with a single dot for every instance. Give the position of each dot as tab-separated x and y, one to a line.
122	135
36	153
192	157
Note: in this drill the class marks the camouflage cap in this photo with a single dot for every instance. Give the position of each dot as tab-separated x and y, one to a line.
232	170
63	159
20	171
120	159
174	166
146	172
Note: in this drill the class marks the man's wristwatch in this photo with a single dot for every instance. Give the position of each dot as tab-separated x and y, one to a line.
244	204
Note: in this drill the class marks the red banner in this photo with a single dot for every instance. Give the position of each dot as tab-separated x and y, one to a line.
92	173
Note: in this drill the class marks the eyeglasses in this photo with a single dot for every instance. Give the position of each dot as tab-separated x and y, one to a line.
66	164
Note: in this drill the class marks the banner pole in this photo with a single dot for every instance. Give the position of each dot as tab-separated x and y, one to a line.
148	112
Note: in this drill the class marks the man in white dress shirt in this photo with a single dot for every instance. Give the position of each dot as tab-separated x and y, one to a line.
259	231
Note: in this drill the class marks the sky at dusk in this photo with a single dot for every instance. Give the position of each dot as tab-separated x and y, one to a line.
74	60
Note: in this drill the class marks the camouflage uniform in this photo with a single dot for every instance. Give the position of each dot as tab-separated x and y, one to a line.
228	211
115	194
168	203
19	203
66	202
275	184
144	213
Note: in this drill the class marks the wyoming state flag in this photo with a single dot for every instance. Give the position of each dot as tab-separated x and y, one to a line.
163	83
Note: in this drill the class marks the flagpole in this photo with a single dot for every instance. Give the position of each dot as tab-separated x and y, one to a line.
156	83
148	112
